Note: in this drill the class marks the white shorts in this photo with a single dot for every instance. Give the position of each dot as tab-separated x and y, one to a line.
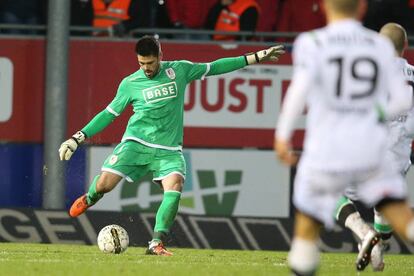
317	192
401	166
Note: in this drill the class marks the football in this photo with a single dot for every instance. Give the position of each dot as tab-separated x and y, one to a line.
113	239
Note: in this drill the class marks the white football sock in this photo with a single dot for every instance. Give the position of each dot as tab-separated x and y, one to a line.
303	256
357	225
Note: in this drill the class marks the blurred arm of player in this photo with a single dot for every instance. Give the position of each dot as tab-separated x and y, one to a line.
292	108
401	93
295	99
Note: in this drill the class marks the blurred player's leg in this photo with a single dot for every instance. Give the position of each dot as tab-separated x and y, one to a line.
366	246
382	226
399	214
377	256
303	257
401	217
347	215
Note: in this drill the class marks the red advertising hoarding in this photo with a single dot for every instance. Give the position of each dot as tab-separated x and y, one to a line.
235	110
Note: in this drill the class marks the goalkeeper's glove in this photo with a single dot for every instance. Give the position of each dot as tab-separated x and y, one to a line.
69	146
271	54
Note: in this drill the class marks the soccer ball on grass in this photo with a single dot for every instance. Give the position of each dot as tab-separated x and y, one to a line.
113	239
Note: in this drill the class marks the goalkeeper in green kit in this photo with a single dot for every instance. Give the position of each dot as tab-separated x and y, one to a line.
153	138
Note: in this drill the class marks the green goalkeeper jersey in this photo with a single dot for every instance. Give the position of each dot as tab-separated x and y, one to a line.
158	103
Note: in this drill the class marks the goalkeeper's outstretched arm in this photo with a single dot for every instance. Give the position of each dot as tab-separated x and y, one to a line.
96	125
226	65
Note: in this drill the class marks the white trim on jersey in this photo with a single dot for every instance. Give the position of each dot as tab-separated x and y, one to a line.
207	70
129	179
165	176
151	145
173	191
187	61
110	110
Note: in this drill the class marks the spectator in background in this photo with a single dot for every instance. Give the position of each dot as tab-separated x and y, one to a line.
20	12
268	15
381	12
188	14
233	16
300	16
81	15
121	16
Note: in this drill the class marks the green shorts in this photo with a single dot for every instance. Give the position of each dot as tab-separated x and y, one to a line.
133	160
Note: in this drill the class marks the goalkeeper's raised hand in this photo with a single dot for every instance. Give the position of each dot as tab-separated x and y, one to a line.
69	146
271	54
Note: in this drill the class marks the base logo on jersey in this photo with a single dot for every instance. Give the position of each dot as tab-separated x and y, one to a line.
160	92
113	159
170	73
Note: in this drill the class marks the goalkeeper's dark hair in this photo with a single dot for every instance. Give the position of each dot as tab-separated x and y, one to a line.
148	46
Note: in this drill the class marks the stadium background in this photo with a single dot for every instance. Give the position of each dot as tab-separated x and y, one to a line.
234	186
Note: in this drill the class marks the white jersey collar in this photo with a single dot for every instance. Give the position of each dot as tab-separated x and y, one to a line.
345	22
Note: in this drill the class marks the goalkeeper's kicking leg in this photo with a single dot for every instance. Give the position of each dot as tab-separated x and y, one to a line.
101	184
172	186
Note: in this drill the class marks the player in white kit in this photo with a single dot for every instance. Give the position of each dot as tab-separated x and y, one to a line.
398	155
343	73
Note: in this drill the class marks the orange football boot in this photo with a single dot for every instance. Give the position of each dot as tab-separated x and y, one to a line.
79	206
158	249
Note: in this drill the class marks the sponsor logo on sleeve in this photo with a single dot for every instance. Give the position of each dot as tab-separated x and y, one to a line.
113	159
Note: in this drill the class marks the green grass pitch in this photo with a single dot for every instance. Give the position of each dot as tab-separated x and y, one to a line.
52	259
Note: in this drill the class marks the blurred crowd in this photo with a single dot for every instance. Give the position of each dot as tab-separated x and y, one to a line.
120	17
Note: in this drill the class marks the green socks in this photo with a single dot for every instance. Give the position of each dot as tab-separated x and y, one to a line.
381	225
93	196
383	228
343	201
166	214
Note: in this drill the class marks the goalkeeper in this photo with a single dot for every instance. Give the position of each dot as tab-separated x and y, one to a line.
153	138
